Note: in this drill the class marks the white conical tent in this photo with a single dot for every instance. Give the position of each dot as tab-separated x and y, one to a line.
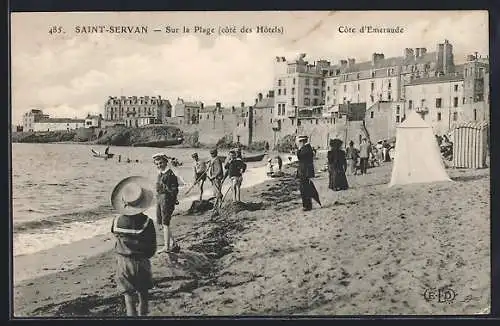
417	154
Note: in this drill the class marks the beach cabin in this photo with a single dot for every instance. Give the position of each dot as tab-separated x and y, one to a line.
470	145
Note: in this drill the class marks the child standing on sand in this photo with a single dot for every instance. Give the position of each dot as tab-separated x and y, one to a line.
167	188
135	242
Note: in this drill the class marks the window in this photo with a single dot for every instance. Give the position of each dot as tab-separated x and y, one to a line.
293	81
279	82
463	100
410	104
371	98
372	86
345	88
397	119
358	86
328	88
328	98
357	75
323	83
284	91
456	88
475	114
334	92
307	101
316	121
293	100
315	81
323	93
389	97
455	102
422	102
373	74
439	116
307	81
455	116
371	114
307	91
397	109
292	122
279	91
389	85
315	101
293	90
438	102
316	91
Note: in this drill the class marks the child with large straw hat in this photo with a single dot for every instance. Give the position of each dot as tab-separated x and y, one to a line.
135	242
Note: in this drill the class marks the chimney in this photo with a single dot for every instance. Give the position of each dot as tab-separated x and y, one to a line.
351	61
343	63
409	54
260	97
376	57
242	104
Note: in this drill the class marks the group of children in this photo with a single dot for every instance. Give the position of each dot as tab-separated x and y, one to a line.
135	232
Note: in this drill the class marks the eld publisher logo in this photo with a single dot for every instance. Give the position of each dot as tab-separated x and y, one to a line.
441	295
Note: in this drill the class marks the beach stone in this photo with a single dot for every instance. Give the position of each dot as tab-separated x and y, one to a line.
200	206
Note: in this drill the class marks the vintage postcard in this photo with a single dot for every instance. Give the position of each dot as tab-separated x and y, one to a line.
250	163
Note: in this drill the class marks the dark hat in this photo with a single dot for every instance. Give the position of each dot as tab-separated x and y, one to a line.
194	155
160	156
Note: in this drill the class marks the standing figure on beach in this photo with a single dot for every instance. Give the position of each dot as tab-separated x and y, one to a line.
364	154
215	174
305	171
352	155
135	242
280	162
200	173
337	165
234	170
167	188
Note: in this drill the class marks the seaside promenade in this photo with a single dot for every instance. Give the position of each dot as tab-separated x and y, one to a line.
369	250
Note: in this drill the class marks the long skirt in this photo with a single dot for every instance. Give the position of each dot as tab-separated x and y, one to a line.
337	180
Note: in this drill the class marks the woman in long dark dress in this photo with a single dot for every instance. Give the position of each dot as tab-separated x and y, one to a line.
337	166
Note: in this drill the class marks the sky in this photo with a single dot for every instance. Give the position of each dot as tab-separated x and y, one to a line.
72	74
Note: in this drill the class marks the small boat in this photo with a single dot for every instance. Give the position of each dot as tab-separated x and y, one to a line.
97	154
252	158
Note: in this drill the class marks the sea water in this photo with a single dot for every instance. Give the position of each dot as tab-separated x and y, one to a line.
61	193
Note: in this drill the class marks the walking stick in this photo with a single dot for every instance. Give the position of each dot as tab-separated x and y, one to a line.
196	182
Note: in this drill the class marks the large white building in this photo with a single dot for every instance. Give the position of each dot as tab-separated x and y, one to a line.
58	124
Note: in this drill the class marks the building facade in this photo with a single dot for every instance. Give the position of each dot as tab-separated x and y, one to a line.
134	111
186	113
58	124
93	121
31	117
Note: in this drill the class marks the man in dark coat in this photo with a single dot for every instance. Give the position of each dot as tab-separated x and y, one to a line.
305	171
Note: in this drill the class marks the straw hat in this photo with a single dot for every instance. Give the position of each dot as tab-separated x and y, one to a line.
160	156
302	138
132	196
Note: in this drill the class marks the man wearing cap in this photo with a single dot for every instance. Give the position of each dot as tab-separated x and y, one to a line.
215	174
200	173
305	171
167	188
135	242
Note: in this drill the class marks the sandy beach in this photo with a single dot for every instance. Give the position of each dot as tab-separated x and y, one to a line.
368	250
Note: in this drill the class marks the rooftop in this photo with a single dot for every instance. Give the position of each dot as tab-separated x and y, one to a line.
265	103
61	120
438	79
391	62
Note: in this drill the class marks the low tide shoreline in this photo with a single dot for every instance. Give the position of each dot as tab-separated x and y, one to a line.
369	250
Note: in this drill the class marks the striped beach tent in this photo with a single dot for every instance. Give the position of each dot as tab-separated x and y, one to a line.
470	144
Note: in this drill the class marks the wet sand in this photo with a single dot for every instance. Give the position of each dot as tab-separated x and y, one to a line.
368	250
